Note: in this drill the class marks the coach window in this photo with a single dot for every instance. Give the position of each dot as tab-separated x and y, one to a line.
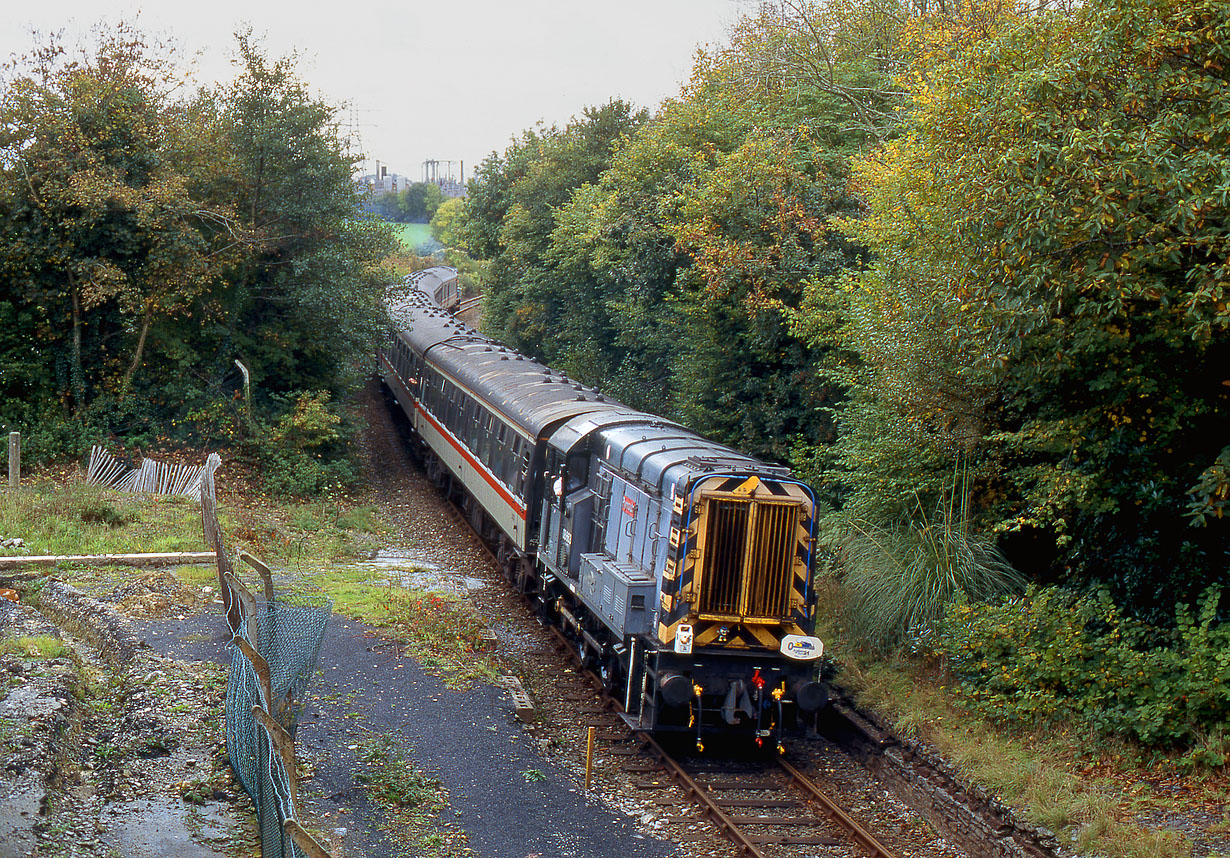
429	390
459	412
416	373
520	464
468	417
491	447
456	399
495	449
437	394
499	451
482	419
447	393
482	442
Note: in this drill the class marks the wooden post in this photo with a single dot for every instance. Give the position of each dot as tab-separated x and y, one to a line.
589	756
14	459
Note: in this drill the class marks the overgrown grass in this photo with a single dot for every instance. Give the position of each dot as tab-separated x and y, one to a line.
900	578
1085	788
440	632
81	519
413	800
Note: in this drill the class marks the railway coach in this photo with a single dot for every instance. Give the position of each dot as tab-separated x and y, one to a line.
680	569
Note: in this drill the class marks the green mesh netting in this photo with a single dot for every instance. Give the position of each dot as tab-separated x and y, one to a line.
289	633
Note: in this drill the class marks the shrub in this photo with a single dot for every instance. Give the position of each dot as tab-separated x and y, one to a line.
302	453
1054	655
899	580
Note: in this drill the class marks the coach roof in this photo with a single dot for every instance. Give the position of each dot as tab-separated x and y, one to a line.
529	394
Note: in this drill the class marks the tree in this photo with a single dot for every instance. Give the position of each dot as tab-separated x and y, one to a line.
448	223
1056	215
102	223
153	234
304	307
510	218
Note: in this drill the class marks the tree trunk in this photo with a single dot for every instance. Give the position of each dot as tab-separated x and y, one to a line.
136	358
76	373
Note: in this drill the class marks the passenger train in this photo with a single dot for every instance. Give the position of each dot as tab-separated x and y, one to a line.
680	569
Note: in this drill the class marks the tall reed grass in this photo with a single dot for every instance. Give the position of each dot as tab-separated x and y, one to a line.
898	579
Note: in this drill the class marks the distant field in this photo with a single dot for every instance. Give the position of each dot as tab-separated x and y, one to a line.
414	235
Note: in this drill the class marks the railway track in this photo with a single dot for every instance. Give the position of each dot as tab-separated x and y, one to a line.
764	802
757	802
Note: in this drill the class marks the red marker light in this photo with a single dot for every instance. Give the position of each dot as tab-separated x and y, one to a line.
757	679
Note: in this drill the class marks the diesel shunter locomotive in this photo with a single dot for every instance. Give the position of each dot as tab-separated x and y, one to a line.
680	569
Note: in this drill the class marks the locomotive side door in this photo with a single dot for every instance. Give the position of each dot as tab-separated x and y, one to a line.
552	544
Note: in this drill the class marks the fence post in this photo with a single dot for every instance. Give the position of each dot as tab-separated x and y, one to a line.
14	459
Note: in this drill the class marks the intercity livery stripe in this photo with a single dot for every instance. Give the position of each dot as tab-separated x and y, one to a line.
500	489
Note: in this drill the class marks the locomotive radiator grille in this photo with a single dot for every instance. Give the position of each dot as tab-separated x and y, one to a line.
747	571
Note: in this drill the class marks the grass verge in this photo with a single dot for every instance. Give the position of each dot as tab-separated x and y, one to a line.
1095	793
76	518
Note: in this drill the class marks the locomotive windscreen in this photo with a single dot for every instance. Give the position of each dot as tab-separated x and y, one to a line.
748	564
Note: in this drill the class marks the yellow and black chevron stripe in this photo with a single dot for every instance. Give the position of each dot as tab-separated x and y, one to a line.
684	576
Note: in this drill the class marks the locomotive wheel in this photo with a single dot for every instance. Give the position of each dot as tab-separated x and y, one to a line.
612	673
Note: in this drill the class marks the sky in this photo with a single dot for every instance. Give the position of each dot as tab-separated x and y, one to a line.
449	81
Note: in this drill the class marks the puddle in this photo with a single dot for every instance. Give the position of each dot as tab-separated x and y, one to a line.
166	828
406	568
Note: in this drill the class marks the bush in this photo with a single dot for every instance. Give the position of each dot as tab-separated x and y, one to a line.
1052	655
898	580
302	453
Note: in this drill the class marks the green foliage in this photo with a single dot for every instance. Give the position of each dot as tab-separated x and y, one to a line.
302	455
661	259
415	203
1052	656
414	802
1043	300
448	223
1211	493
154	234
39	647
511	214
81	519
898	581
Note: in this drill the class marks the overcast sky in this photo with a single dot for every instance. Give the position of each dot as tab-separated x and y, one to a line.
451	80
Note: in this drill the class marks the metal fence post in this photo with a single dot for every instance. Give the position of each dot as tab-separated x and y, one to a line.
14	459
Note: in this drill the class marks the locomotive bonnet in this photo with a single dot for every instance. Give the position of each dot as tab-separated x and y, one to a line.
680	569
